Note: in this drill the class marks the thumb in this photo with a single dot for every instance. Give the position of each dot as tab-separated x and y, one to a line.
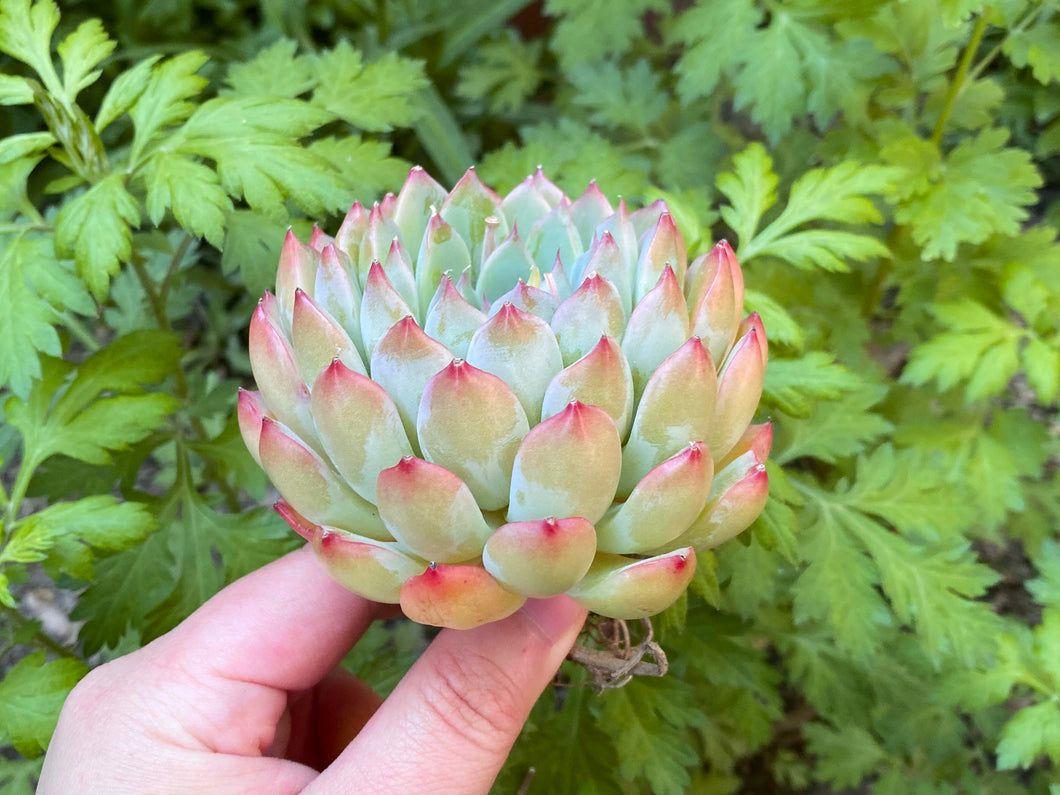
450	723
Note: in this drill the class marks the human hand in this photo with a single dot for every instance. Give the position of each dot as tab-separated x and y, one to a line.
244	697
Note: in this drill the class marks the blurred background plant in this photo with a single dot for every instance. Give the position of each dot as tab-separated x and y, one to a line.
889	174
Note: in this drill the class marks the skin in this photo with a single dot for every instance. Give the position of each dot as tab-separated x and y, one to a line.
245	697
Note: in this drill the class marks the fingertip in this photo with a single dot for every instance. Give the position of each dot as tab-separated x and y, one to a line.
556	619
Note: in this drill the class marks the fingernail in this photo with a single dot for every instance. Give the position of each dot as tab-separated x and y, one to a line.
554	617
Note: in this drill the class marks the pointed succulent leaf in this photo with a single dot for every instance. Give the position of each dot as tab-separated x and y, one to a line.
459	597
754	321
297	271
600	378
381	307
431	512
619	587
568	465
398	269
374	569
250	410
471	423
713	300
404	360
677	408
530	299
556	281
588	211
317	340
375	244
657	328
318	238
311	488
520	349
305	528
605	259
621	228
507	264
592	311
351	232
466	209
442	251
276	373
541	558
359	426
554	237
757	438
546	187
664	246
337	292
662	505
646	219
739	389
451	319
412	208
525	204
738	495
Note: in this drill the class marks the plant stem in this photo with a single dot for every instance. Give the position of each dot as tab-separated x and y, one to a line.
960	76
157	307
79	330
1016	29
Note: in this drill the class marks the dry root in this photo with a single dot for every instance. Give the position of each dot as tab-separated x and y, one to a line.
618	660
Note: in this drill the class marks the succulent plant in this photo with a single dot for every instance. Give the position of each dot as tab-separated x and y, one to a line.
467	400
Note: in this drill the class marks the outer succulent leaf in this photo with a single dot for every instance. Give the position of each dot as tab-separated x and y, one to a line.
592	311
359	426
317	339
398	269
311	488
250	410
646	219
352	231
412	208
621	228
507	264
754	321
662	505
297	271
739	389
471	423
305	528
554	237
442	251
588	211
431	511
466	209
318	239
381	307
738	495
546	187
541	558
620	587
460	597
600	378
451	319
657	328
664	246
404	360
277	374
757	438
568	465
530	299
713	300
605	259
374	569
375	244
520	349
556	282
677	408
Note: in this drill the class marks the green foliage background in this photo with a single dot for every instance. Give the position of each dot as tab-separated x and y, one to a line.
889	172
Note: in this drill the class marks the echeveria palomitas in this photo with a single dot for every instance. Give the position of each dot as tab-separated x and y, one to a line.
467	400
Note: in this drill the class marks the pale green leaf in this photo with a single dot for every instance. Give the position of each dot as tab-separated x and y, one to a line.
792	384
15	90
834	429
31	694
95	228
1031	732
1041	362
772	83
505	72
15	146
98	522
81	53
715	35
374	97
124	91
1037	47
164	100
751	190
191	190
30	330
275	72
26	32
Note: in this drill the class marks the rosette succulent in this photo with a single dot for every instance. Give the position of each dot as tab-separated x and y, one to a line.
468	400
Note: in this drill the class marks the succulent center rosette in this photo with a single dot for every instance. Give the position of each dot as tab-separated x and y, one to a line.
467	400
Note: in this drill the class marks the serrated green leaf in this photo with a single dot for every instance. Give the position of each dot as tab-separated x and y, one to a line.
749	572
715	36
1041	363
844	756
504	71
750	189
367	165
275	71
164	99
792	384
14	147
619	97
193	192
15	90
124	91
29	331
1045	588
25	34
983	188
31	693
649	721
374	97
20	776
591	30
251	245
835	428
1037	47
1029	733
95	228
776	63
81	52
